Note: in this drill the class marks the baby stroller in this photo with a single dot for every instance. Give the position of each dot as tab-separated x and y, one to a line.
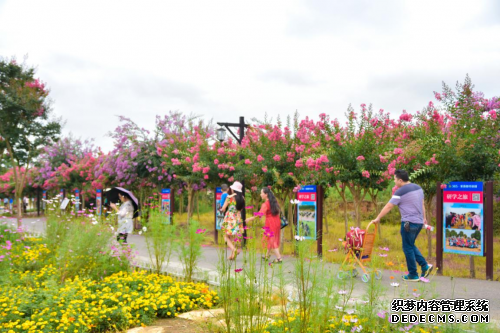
358	246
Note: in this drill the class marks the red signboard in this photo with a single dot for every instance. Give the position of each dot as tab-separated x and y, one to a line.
306	196
463	197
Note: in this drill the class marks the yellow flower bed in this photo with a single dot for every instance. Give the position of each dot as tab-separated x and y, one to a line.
38	304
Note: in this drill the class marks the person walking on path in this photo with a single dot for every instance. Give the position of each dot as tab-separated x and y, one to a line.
272	227
231	226
409	198
125	218
25	204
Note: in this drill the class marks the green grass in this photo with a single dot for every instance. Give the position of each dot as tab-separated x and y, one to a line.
453	264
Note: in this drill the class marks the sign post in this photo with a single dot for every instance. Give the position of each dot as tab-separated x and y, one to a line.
77	203
464	226
98	202
439	229
218	215
463	218
488	221
310	214
166	206
44	197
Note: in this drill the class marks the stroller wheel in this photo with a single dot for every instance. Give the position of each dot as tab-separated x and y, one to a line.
378	274
342	275
365	278
354	272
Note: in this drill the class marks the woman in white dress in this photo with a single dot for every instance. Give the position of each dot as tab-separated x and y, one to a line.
125	218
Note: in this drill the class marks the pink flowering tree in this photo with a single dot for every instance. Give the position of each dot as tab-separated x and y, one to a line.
25	125
472	132
221	163
7	184
354	154
278	156
456	140
183	142
67	163
134	163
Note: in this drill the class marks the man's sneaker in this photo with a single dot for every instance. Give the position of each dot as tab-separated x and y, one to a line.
427	271
411	278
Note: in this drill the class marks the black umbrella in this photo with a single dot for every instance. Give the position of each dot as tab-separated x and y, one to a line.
112	197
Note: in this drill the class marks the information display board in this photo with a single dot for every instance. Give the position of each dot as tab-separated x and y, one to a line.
463	218
44	197
98	202
307	212
61	195
165	205
219	216
77	202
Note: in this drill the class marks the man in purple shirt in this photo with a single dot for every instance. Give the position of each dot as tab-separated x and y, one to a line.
410	200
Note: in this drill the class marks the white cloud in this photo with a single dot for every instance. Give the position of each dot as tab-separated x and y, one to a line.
223	59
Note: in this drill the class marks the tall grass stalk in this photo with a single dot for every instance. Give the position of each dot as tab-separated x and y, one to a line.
160	240
189	248
246	290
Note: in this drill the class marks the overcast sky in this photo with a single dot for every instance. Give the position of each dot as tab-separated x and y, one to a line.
225	59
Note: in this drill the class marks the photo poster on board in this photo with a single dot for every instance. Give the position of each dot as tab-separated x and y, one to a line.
44	197
219	216
307	212
463	218
98	202
165	205
77	200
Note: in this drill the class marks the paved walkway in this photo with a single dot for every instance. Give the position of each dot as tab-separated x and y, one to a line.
444	286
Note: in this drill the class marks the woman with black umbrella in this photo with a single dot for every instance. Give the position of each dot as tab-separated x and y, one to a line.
125	216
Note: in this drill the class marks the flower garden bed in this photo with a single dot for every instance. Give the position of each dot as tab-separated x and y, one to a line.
34	299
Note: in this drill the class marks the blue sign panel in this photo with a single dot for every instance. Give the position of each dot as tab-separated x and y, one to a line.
463	218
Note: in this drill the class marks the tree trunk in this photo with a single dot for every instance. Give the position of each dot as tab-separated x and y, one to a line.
428	216
344	200
282	235
373	197
472	267
358	194
198	204
325	217
19	186
190	203
181	203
